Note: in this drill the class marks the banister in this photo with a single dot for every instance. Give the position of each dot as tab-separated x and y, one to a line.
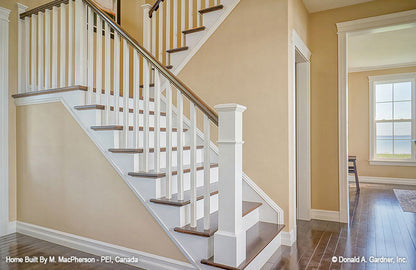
42	8
205	108
155	7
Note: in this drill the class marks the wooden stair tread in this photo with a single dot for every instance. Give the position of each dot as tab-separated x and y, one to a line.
193	30
180	49
187	196
102	107
151	150
118	127
150	85
168	67
163	174
199	230
211	9
257	238
120	95
51	91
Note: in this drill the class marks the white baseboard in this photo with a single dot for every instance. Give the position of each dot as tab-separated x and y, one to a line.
325	215
11	228
288	238
383	180
98	248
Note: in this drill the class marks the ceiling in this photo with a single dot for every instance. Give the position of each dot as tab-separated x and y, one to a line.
381	50
320	5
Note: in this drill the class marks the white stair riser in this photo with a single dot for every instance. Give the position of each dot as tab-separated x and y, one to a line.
203	247
178	216
177	57
251	219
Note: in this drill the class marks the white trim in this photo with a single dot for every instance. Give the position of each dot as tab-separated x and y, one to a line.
377	23
288	238
303	168
326	215
11	228
208	34
382	22
392	162
383	180
4	120
146	260
380	67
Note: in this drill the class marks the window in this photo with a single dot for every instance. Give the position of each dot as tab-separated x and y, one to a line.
393	119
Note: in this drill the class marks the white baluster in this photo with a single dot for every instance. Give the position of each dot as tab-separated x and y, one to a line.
146	82
179	133
160	14
99	59
207	175
54	47
146	26
136	98
47	48
71	43
27	54
62	46
154	34
40	51
175	23
192	113
107	72
157	120
167	30
183	27
190	14
90	56
22	32
230	239
126	92
198	16
217	2
116	79
80	42
33	61
206	4
169	141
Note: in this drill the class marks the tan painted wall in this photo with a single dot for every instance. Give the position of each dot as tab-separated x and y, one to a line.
324	93
66	184
245	61
131	20
358	125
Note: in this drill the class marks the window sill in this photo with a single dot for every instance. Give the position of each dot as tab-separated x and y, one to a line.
393	162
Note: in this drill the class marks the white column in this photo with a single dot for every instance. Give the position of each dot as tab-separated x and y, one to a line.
146	26
55	47
62	72
22	50
230	239
4	121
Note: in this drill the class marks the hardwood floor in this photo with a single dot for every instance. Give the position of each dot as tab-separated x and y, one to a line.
19	245
378	227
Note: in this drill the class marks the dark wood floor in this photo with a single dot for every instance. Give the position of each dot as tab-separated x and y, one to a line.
378	227
19	245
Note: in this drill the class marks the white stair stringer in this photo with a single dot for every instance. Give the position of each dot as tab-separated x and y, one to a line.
195	248
211	21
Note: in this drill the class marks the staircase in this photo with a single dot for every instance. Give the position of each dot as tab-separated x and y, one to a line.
196	191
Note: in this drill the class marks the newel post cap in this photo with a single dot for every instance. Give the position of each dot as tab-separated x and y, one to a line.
230	107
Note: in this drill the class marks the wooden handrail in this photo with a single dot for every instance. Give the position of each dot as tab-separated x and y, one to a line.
185	90
154	7
42	8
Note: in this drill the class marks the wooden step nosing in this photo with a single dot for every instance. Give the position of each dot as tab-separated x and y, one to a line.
163	174
151	150
193	30
51	91
180	203
118	127
180	49
102	108
252	209
211	9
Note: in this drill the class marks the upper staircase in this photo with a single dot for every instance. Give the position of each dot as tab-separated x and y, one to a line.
197	191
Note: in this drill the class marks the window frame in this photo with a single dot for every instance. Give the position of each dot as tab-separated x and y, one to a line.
382	79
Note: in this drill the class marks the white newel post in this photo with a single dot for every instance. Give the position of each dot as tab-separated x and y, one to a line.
230	239
4	121
146	26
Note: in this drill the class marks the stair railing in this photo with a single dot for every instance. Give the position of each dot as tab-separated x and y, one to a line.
90	49
163	17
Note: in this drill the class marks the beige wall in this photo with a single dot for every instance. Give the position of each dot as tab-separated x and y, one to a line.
66	184
131	20
322	38
358	125
245	61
